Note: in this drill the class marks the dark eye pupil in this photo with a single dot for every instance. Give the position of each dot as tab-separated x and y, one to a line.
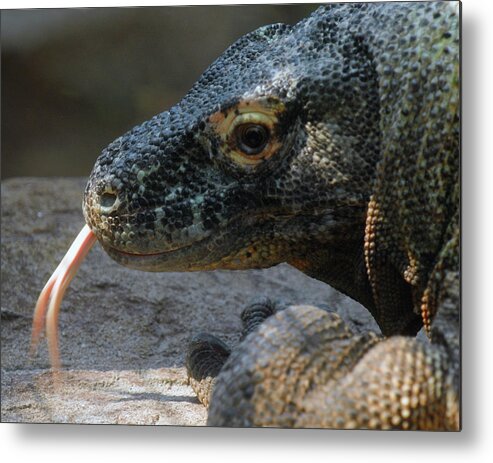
252	138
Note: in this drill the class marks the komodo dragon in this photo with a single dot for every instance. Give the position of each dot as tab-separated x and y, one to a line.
332	145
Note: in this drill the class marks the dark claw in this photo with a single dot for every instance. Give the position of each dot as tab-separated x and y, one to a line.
256	313
205	357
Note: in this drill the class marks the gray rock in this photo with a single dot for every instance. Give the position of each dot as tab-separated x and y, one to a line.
122	333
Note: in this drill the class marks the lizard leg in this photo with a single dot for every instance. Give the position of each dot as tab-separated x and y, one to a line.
207	354
400	383
304	368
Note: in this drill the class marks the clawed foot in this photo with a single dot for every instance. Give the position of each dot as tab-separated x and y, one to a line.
303	367
205	357
207	354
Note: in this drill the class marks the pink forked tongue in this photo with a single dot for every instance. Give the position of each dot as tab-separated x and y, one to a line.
50	299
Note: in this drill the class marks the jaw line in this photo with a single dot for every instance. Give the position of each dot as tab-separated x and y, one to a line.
149	254
169	260
178	259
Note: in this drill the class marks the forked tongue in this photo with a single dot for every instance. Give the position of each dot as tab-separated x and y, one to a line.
49	301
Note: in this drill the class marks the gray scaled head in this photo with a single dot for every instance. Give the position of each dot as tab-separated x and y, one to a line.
272	148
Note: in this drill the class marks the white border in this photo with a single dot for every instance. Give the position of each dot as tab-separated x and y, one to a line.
60	443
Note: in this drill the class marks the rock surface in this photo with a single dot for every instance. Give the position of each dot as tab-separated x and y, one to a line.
123	333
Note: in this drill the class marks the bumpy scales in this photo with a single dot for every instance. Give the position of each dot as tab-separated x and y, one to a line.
332	145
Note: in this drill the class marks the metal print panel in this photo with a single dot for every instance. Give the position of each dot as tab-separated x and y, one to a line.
296	205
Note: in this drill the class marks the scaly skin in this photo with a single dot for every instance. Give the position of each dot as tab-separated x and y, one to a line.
332	145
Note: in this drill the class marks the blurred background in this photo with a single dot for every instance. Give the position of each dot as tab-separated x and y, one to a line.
75	79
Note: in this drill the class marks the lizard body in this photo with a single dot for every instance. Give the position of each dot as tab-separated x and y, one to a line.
332	145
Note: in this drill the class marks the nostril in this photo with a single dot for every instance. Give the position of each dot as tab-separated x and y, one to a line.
107	199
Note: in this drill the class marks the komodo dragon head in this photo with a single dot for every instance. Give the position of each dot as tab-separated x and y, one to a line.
270	154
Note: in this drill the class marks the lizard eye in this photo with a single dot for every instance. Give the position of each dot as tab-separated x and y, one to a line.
252	138
247	131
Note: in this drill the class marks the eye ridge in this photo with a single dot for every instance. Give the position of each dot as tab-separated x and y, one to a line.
252	138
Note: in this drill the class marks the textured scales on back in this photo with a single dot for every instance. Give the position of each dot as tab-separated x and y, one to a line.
332	145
